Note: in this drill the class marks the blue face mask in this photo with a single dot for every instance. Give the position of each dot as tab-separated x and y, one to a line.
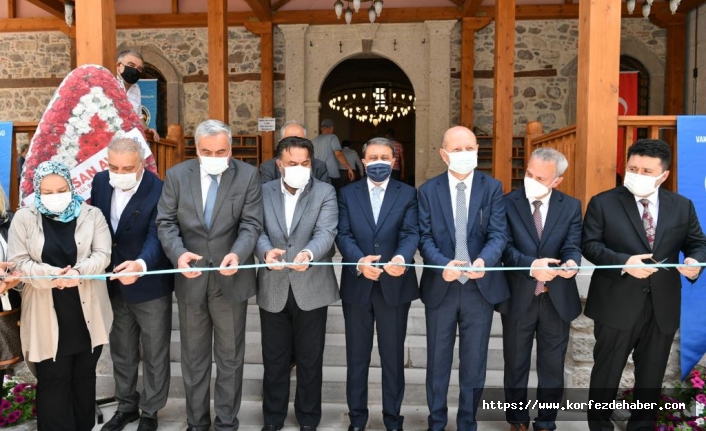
378	171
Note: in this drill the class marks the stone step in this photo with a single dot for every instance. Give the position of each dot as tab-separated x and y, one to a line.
333	388
335	351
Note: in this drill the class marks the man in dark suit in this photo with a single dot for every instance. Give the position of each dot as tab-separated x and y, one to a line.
210	214
637	309
462	223
270	171
377	223
544	228
127	194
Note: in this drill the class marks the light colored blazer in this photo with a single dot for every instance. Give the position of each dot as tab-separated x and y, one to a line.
40	330
313	228
235	227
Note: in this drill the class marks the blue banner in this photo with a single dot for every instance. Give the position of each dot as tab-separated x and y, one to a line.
691	182
5	156
148	88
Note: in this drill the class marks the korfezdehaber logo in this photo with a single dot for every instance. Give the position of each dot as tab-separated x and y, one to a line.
701	139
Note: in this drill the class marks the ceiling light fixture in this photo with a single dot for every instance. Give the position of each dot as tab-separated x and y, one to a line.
374	10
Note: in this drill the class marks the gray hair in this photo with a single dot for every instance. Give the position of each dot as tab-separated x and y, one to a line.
21	147
552	155
379	141
213	128
289	124
127	52
123	145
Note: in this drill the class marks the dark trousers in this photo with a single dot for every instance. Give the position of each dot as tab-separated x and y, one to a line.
552	333
465	308
147	324
391	323
298	332
337	183
650	352
66	392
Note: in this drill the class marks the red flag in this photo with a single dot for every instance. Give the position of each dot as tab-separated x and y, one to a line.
627	105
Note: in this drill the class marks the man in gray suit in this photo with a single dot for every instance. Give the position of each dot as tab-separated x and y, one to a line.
210	215
301	215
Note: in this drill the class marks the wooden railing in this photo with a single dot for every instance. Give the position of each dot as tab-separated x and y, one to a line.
632	127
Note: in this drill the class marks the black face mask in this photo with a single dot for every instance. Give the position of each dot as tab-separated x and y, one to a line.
130	74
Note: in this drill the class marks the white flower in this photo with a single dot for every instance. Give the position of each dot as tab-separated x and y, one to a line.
699	408
78	109
699	421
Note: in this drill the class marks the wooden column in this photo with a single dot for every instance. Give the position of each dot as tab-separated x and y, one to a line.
95	33
597	98
218	60
468	61
267	87
503	89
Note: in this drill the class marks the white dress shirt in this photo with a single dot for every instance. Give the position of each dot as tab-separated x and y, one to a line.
134	95
118	203
653	206
290	204
543	209
205	184
453	181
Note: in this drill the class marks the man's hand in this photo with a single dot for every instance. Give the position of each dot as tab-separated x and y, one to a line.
369	271
567	273
126	267
6	265
155	136
231	261
451	272
301	262
394	266
474	275
184	262
272	259
544	274
640	272
9	281
689	271
62	283
351	174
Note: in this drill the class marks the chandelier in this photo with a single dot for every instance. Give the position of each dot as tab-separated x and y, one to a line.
647	6
376	102
374	11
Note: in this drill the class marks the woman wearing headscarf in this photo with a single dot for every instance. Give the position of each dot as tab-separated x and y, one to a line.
9	297
65	320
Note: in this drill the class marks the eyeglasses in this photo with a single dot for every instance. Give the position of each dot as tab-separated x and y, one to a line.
139	69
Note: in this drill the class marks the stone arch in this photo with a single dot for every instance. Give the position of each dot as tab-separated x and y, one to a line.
632	47
175	88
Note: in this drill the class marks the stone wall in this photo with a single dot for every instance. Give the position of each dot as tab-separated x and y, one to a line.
696	57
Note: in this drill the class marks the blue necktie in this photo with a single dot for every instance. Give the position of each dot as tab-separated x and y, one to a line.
210	200
376	202
460	224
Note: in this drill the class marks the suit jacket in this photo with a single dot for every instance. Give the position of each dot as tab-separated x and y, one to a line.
136	237
612	232
313	228
235	227
396	233
269	171
561	239
486	235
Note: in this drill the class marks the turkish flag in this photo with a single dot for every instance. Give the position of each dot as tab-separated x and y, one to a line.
627	105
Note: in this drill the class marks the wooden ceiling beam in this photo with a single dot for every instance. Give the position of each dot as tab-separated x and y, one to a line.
400	15
458	3
470	7
689	5
279	4
175	6
54	7
16	25
261	9
11	9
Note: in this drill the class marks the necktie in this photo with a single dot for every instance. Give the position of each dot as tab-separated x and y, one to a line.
537	216
210	200
461	224
648	222
376	202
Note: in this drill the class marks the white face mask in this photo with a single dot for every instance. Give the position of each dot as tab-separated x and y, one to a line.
296	177
57	202
214	165
641	185
123	181
462	162
534	189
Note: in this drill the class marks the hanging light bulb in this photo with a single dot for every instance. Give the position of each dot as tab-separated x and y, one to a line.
356	5
378	7
649	2
69	12
646	9
631	6
673	5
348	15
338	7
371	14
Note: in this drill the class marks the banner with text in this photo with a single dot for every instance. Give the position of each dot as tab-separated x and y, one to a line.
148	88
691	182
5	156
